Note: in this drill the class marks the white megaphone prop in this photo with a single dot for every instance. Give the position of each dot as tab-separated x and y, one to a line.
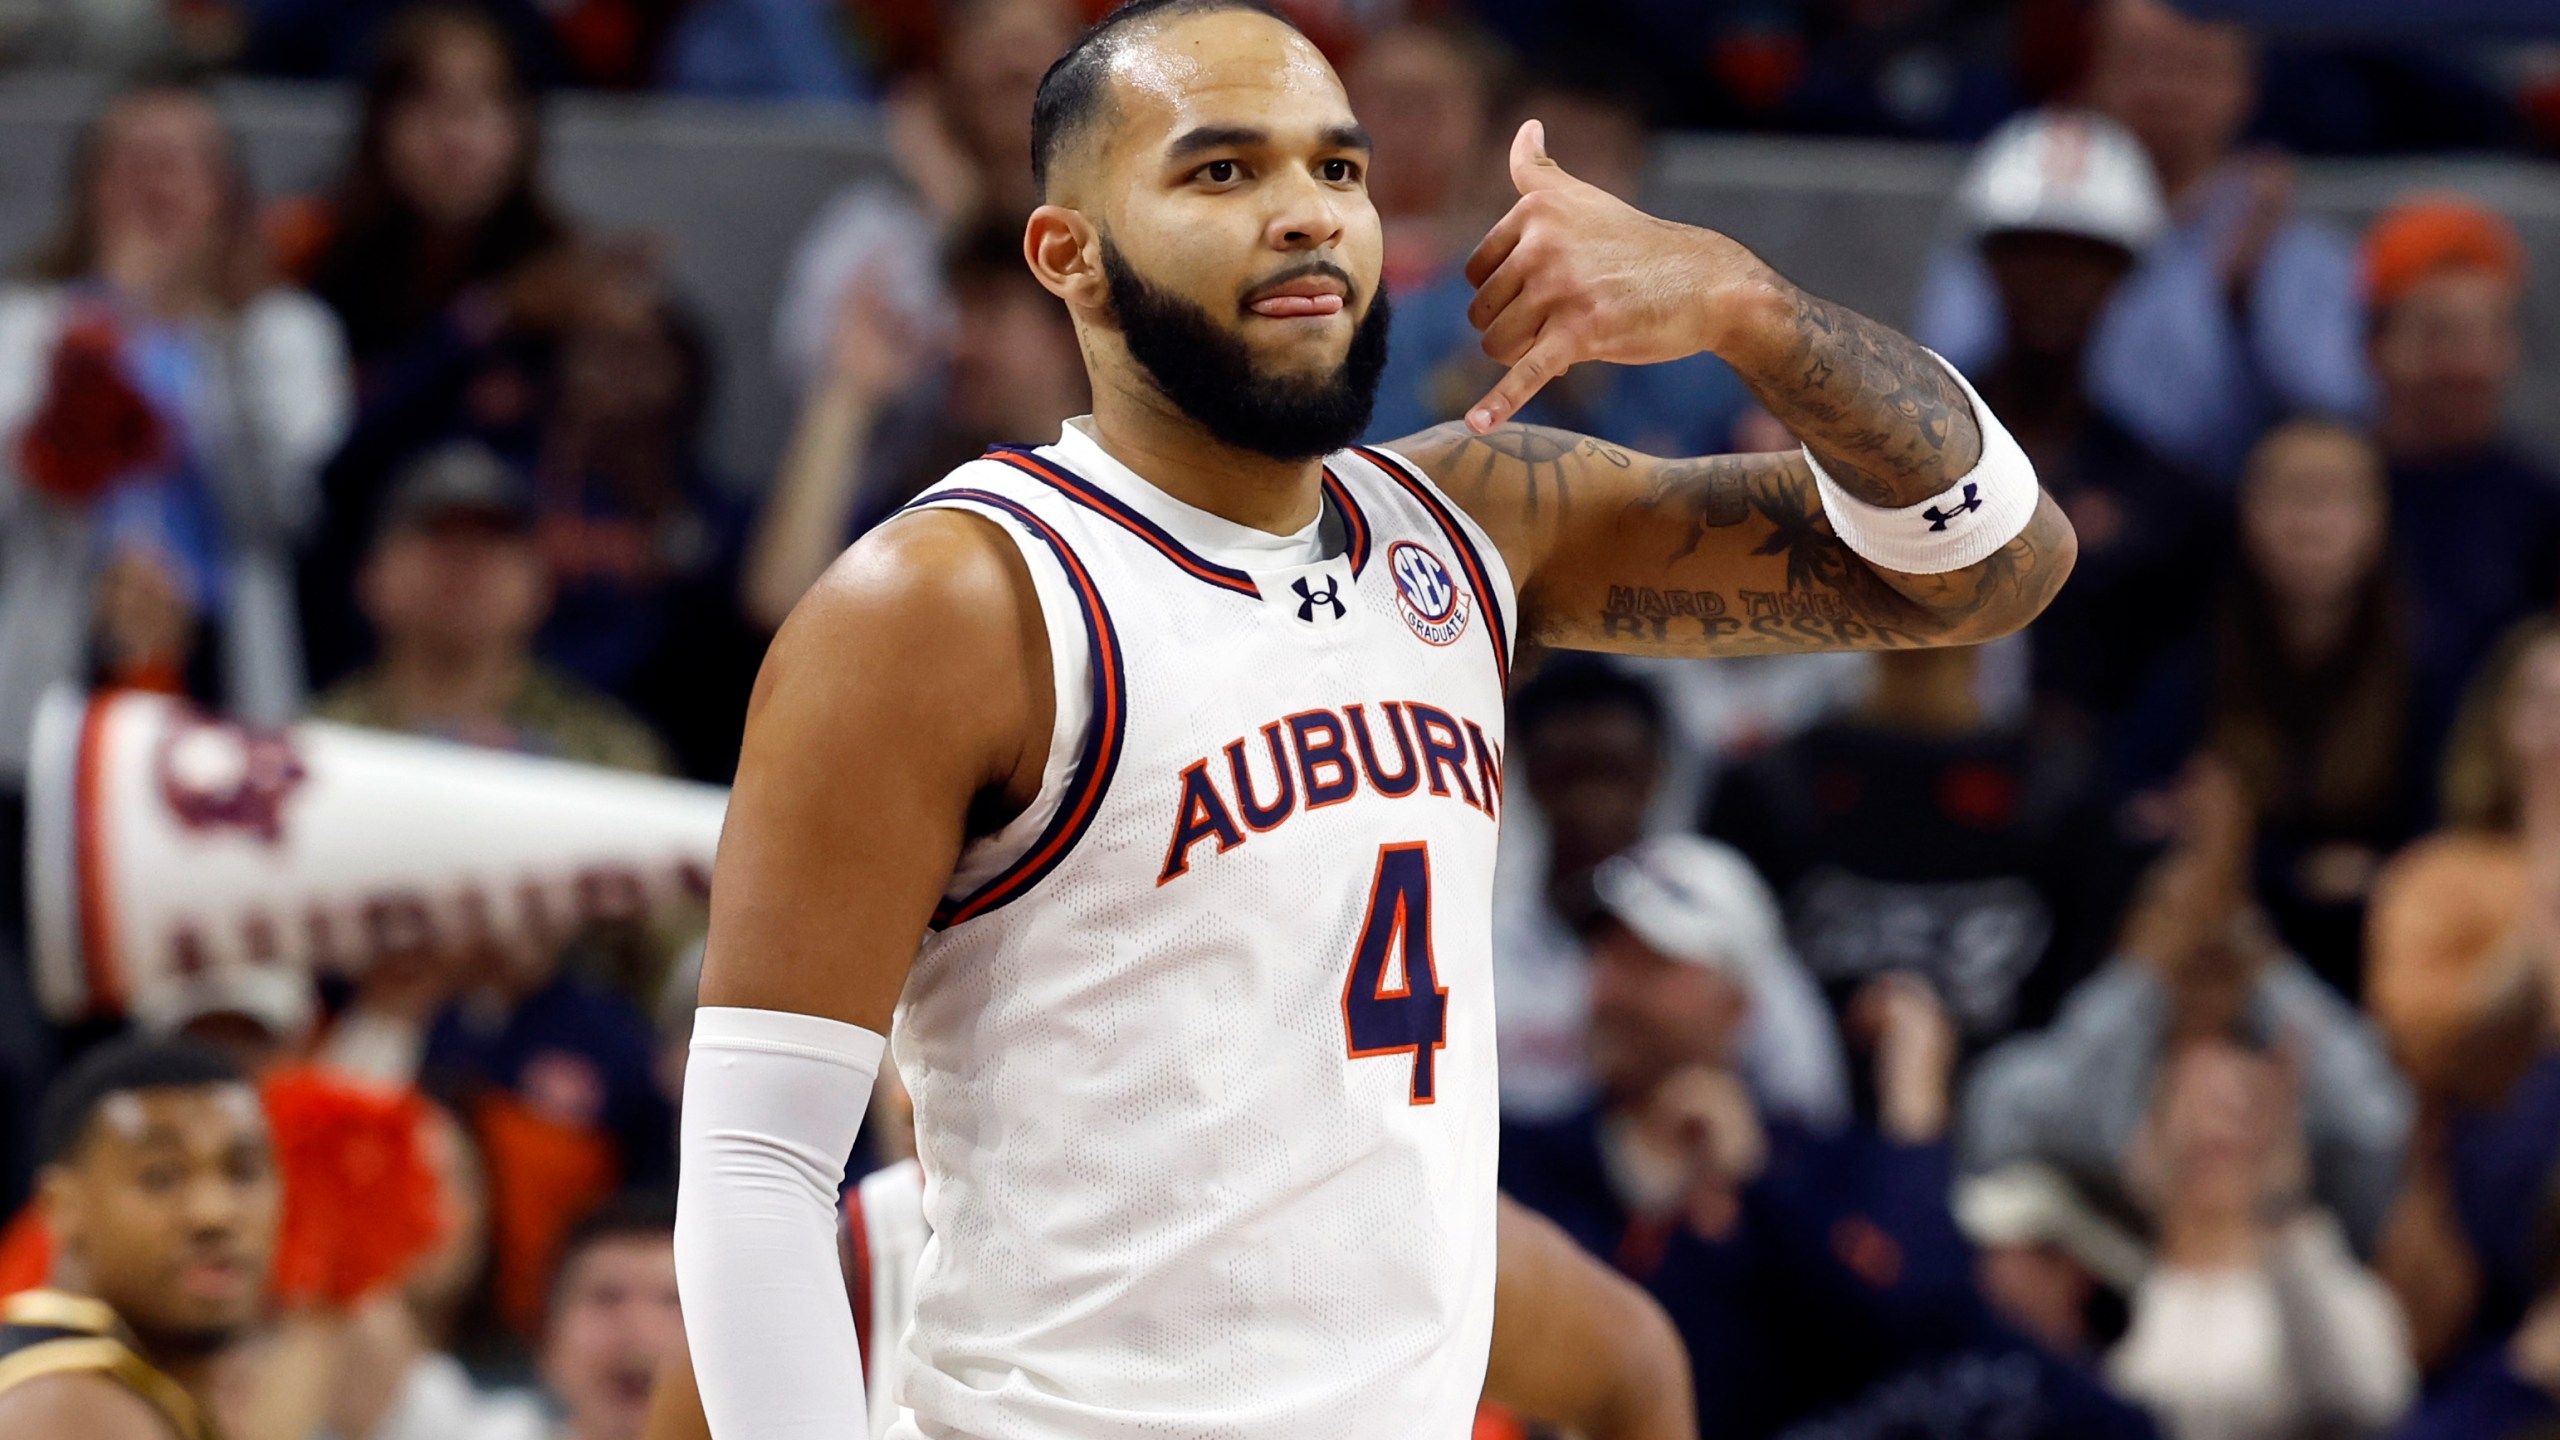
171	854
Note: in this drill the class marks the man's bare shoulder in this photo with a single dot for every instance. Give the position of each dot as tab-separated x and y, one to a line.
79	1405
930	625
940	588
923	564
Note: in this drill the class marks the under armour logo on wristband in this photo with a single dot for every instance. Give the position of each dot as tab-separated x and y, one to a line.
1938	518
1309	598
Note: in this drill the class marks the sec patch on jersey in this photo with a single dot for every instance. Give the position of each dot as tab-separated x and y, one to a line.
1434	605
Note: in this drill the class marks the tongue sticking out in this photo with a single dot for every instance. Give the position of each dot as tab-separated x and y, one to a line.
1284	306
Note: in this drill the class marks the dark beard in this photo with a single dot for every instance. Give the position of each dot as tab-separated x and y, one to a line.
1207	371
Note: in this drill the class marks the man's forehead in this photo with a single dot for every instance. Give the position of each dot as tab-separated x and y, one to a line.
219	1113
1223	68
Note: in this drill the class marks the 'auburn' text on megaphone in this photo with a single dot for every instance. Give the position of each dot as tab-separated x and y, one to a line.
169	851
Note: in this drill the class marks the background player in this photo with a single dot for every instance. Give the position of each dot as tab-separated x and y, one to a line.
1159	1200
162	1196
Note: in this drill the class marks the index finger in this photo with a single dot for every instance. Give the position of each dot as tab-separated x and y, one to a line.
1496	247
1547	358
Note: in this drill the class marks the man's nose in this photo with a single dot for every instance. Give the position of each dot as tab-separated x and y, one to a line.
213	1205
1308	217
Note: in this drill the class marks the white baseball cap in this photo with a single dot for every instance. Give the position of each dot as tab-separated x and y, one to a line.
281	999
2064	172
1694	900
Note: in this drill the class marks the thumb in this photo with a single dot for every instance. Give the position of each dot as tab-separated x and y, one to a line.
1531	169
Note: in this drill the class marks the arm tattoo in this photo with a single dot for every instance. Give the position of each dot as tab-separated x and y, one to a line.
1718	555
1529	466
1885	419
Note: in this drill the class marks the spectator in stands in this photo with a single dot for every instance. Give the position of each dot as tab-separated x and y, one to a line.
961	136
2307	686
2509	1391
442	208
2062	206
452	271
1916	835
400	1379
2255	1322
1427	91
1436	365
612	1319
2463	976
641	538
456	588
1587	742
1801	1270
1916	69
336	40
765	49
161	1189
2477	519
2196	963
1010	374
164	407
2243	311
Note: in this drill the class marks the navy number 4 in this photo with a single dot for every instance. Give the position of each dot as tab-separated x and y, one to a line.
1413	1018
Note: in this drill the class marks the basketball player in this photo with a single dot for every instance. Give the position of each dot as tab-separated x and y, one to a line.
1576	1346
162	1197
1149	779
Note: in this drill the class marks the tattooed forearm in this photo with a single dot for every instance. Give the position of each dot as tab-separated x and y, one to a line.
1885	419
1720	555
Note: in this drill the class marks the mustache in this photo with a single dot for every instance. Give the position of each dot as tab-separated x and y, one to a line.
1312	269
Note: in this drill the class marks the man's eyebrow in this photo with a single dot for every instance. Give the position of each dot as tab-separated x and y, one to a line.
1215	137
1346	137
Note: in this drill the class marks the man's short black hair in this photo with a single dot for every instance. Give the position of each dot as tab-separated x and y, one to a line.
119	1067
1575	684
1072	91
646	1213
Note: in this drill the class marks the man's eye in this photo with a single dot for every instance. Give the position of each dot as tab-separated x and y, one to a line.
1341	172
1218	172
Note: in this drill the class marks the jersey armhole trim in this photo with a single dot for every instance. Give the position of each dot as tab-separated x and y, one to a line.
1105	730
1497	629
1355	526
1112	508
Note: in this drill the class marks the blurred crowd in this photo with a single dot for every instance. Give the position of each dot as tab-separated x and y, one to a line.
1922	69
2147	1026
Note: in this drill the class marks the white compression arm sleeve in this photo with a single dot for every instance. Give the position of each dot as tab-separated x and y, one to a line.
772	1102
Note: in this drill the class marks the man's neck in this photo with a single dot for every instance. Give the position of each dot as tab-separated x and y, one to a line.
1138	427
424	685
2313	630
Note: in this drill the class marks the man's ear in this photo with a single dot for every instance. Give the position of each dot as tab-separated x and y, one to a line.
58	1199
1065	252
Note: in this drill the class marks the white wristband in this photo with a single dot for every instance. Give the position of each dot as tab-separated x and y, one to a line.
772	1102
1959	526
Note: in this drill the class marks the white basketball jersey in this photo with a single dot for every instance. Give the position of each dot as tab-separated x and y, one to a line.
1202	1044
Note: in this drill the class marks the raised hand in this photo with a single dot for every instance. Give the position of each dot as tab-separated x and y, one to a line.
1573	273
1899	1018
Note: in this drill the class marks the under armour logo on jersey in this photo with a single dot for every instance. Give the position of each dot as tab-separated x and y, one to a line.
1309	598
1938	518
